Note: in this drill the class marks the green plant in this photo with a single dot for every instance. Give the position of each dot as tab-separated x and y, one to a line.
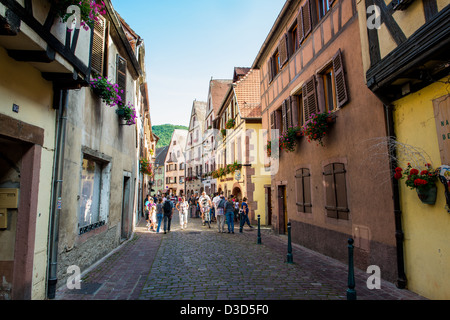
421	180
317	126
128	112
230	123
288	140
146	167
106	90
89	11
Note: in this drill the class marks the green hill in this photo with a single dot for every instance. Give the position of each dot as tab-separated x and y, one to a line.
164	132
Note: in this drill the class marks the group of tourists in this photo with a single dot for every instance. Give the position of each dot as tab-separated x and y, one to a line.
159	211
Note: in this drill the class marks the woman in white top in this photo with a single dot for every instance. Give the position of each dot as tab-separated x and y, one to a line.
183	209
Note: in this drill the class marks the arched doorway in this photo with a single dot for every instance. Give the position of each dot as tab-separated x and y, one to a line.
237	192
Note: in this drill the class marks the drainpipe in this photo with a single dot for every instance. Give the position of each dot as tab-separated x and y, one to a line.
57	194
399	235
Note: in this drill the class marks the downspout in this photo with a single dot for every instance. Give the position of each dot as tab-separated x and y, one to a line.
399	235
56	204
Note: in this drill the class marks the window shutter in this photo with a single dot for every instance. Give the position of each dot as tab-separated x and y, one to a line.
339	78
98	46
300	26
283	50
330	196
294	111
303	183
309	98
336	191
270	69
272	121
306	19
121	78
284	116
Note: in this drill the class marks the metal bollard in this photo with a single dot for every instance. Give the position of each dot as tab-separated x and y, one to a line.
290	258
259	229
351	293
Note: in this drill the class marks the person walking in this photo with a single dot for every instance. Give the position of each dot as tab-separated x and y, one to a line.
244	215
183	211
220	213
205	206
229	213
168	211
147	211
159	213
152	215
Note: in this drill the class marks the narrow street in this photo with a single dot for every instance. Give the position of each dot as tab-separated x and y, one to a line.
201	264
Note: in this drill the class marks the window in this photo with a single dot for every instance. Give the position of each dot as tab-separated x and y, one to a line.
336	191
93	204
323	6
297	110
303	186
332	80
294	40
121	77
327	78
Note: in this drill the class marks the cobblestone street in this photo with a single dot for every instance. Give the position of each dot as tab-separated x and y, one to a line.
202	264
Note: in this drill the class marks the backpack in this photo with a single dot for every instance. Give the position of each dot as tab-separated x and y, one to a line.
167	207
222	203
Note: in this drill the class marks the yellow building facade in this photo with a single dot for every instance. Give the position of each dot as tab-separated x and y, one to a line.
427	240
239	155
405	56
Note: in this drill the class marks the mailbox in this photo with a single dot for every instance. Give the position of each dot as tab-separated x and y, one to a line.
9	198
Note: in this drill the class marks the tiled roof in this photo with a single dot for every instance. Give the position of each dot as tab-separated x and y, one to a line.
248	95
161	156
240	72
218	90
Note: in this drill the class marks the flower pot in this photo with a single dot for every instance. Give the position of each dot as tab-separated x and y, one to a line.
331	119
428	196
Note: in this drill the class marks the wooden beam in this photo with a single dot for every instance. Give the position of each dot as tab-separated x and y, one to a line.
33	55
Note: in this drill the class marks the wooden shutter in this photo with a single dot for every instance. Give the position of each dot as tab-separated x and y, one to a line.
336	191
98	46
284	116
300	26
283	50
339	80
270	69
306	19
288	113
121	78
309	98
303	184
272	121
294	110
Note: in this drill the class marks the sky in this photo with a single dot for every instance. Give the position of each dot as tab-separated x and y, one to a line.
188	42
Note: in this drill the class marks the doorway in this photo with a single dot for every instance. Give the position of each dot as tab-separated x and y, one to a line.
125	208
282	211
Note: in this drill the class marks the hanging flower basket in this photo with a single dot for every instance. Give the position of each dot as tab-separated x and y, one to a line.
230	123
288	140
428	196
106	90
424	182
127	112
317	127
